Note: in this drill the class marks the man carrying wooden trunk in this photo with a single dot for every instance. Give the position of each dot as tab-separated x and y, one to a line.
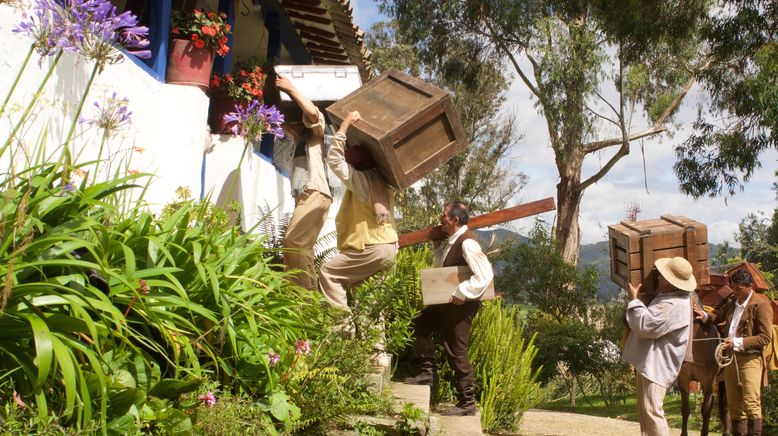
367	239
309	188
451	322
658	342
748	318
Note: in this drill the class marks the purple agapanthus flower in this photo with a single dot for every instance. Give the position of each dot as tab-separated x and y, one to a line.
89	27
111	116
47	26
255	120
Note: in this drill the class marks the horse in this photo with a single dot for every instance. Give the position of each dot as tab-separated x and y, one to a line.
704	370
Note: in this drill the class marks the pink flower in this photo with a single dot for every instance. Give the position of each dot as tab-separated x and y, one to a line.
143	287
273	359
208	399
302	347
19	401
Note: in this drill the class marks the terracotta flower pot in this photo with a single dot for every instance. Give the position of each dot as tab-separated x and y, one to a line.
220	106
189	65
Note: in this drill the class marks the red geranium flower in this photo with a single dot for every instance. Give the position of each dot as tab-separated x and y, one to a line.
199	43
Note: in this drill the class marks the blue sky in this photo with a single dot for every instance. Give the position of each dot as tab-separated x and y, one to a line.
604	203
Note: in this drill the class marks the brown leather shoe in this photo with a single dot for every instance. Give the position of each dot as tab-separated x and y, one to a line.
740	427
459	410
755	426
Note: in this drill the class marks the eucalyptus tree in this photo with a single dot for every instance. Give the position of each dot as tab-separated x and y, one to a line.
591	67
481	175
740	119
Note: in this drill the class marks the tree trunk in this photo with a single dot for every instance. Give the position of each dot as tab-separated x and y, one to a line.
568	203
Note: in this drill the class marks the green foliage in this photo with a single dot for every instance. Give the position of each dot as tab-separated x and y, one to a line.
741	119
535	274
770	404
411	419
503	363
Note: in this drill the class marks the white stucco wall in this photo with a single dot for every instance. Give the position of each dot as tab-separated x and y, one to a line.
169	125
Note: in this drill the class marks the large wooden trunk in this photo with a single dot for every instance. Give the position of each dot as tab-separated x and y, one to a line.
409	126
635	245
322	84
438	284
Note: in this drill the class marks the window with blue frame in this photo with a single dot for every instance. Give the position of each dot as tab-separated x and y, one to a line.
155	14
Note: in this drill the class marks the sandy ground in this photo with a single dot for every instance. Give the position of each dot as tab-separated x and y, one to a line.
548	423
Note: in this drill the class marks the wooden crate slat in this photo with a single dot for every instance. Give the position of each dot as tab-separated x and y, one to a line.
634	259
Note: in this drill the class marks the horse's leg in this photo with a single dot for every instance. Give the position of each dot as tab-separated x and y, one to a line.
724	422
683	386
707	406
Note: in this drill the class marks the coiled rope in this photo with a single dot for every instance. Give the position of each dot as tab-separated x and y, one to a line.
723	358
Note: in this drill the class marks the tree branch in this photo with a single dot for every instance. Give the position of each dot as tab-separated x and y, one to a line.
601	116
599	145
504	47
623	151
607	102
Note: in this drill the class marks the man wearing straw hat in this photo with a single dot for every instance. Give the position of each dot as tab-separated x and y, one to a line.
658	342
749	319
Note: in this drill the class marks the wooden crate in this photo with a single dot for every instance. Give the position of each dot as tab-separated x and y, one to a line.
409	126
322	84
635	245
438	284
716	292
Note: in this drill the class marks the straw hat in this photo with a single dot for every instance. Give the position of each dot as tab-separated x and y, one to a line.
677	271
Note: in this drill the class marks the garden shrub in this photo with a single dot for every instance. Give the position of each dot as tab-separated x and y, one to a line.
502	361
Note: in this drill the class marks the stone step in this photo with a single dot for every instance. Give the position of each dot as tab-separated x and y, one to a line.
418	395
455	425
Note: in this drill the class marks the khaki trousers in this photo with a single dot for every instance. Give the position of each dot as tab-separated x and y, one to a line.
651	414
744	401
350	268
306	224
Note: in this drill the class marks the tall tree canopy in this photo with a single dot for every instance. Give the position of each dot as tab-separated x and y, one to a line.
740	119
481	175
590	66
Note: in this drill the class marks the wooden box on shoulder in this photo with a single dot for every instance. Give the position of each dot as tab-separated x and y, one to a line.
438	284
635	245
409	126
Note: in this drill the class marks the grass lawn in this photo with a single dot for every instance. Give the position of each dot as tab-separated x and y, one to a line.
627	409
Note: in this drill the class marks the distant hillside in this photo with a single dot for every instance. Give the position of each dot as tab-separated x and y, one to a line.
596	254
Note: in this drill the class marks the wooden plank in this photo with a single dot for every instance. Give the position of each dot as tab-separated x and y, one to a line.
439	284
480	221
647	263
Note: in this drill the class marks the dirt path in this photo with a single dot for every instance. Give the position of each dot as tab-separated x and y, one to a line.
547	423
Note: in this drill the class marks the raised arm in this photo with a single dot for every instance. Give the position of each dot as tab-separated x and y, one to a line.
352	179
310	111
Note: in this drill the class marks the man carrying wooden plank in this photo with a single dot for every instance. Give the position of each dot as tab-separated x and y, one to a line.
367	239
309	188
451	322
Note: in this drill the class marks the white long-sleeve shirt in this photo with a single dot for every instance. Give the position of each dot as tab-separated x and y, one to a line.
483	274
353	180
656	345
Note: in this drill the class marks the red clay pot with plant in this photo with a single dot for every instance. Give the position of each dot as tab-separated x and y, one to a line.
197	37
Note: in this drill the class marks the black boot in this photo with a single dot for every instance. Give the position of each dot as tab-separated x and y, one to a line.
466	404
460	410
428	374
755	426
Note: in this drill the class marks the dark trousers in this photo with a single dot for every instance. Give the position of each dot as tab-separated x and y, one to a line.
452	325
